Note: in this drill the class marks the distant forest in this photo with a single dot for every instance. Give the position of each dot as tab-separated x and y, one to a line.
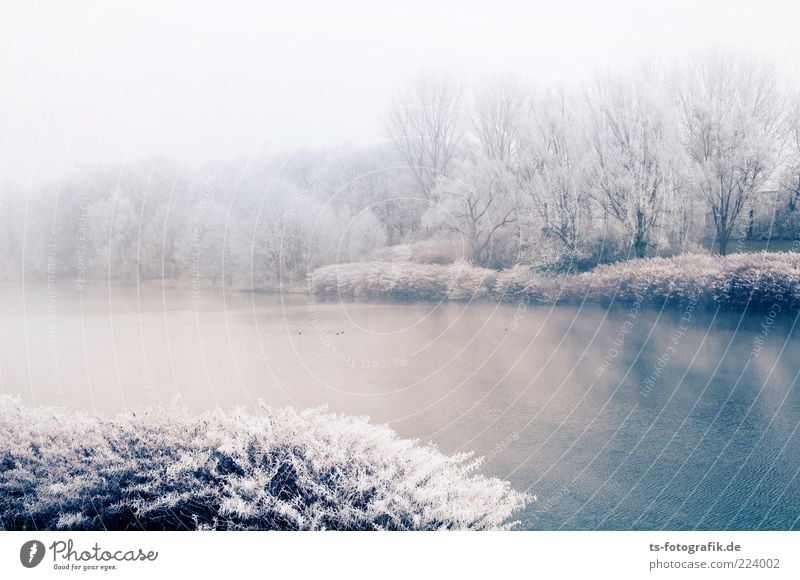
654	161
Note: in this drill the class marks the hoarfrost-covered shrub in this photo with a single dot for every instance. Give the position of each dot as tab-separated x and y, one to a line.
278	469
520	282
763	280
457	281
738	281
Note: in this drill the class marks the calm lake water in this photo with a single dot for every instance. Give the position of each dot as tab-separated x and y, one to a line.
621	418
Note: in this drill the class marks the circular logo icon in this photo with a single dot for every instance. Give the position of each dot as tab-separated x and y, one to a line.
31	553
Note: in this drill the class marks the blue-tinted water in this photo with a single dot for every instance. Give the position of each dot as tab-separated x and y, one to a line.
622	418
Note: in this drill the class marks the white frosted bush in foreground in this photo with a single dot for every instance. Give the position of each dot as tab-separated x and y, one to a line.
278	469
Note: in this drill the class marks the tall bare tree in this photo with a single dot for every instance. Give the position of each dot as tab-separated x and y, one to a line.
500	109
424	124
730	109
555	170
635	145
478	203
790	178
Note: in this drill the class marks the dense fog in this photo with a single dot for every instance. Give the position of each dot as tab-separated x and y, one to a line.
658	160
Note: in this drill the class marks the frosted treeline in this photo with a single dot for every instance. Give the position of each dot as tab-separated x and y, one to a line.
221	223
739	281
276	469
635	163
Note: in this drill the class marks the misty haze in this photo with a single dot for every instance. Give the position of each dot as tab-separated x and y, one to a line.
266	282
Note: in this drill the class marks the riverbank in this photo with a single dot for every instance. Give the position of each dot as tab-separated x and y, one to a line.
763	281
278	469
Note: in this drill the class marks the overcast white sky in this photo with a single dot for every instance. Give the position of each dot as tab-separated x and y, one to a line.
97	82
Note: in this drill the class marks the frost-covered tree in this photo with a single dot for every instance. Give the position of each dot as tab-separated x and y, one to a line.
282	233
202	248
556	171
10	232
372	178
424	123
681	222
729	108
115	231
634	140
500	110
362	234
790	178
477	202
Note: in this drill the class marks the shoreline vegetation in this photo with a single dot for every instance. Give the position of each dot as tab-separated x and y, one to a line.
758	281
274	469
